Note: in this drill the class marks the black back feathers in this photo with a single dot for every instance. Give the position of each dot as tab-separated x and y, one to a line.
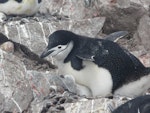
137	105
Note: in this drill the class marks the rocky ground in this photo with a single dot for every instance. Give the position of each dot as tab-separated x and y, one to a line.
29	84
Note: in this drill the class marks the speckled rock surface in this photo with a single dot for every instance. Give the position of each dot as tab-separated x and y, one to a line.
14	87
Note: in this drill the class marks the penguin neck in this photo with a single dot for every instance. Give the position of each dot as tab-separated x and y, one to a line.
71	53
74	50
65	53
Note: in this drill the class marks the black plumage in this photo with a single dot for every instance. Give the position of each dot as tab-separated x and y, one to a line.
138	105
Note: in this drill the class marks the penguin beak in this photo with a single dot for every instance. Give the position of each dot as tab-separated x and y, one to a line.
46	53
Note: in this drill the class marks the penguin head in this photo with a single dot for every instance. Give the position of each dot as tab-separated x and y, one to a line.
60	44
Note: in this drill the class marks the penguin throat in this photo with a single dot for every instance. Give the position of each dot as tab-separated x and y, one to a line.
64	54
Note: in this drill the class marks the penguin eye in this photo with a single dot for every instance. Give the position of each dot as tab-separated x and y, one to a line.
59	47
92	57
19	1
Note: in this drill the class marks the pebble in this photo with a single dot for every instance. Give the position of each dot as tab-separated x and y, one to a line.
8	47
2	17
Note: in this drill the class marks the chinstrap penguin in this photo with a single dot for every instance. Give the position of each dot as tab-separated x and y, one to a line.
138	105
20	7
102	66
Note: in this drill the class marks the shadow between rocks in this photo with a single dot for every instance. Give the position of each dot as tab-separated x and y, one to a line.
31	60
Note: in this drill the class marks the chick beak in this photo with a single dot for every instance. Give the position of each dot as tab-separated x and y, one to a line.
46	53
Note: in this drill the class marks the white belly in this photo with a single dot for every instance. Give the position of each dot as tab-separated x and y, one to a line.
97	79
135	88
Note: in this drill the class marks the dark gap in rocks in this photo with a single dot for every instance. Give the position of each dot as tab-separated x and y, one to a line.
3	38
62	101
44	110
31	60
60	108
55	102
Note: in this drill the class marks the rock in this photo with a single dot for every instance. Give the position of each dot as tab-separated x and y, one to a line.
39	83
2	99
145	59
143	31
99	105
43	83
144	3
70	9
123	3
8	47
14	87
2	17
20	88
124	19
32	85
87	8
47	87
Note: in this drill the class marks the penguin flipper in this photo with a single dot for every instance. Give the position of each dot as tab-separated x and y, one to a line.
76	63
116	36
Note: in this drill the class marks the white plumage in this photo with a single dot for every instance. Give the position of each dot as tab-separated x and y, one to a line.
25	7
